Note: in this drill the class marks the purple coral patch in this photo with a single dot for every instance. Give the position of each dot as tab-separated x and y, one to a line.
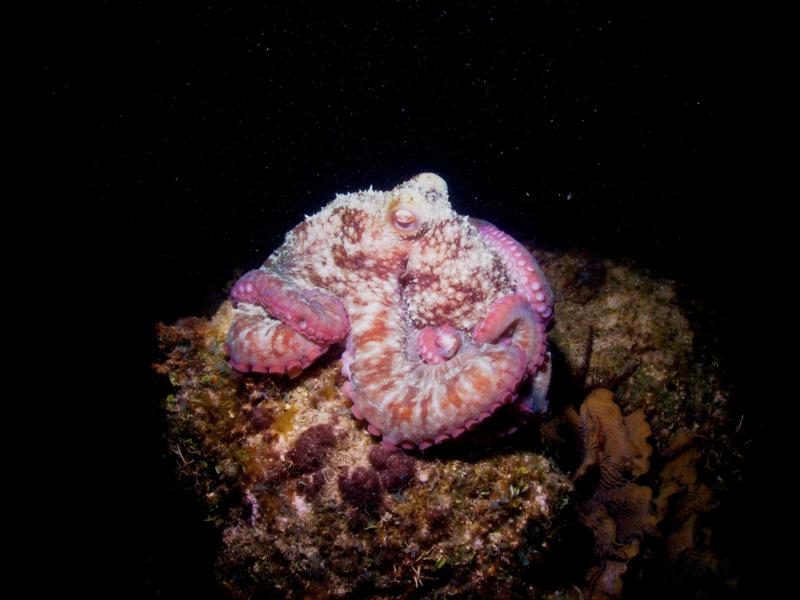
311	449
396	469
361	488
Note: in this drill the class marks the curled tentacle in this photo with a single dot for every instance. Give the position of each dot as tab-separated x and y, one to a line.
261	344
438	344
412	403
313	313
513	317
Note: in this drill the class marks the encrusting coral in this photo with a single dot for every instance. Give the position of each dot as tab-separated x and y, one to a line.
617	510
682	504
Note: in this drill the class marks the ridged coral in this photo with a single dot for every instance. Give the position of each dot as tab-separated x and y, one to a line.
616	510
682	503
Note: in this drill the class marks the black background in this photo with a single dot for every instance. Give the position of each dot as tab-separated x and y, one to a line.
206	132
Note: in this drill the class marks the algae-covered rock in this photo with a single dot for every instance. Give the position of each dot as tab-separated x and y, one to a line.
309	505
618	327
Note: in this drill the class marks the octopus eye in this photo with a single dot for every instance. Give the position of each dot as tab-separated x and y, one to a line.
404	221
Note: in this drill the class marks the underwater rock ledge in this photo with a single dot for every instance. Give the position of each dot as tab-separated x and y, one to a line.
309	505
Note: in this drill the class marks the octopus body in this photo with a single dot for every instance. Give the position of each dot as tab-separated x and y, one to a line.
442	317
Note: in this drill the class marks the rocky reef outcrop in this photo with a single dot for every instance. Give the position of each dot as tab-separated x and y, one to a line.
309	505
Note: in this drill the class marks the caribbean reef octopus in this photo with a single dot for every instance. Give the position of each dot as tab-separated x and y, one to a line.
444	318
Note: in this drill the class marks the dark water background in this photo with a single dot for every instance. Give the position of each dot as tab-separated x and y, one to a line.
211	130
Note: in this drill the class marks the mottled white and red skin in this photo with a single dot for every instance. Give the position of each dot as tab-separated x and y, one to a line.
441	317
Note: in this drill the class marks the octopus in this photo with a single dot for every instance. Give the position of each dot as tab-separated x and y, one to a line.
441	319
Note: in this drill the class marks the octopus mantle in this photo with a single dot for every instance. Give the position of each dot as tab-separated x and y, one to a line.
443	317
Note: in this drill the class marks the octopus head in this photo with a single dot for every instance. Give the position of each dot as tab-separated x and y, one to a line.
415	205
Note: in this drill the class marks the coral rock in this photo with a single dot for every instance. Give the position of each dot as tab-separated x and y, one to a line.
473	520
326	510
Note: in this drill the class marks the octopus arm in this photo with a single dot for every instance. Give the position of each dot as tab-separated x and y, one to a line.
410	402
256	342
528	277
312	312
